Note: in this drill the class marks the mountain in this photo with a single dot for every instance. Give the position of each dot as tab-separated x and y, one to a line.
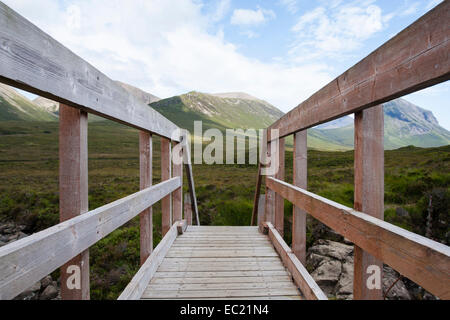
145	97
224	110
47	104
404	124
14	106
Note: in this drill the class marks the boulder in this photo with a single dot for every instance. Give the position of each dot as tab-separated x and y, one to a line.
399	290
49	293
46	281
31	293
332	249
327	275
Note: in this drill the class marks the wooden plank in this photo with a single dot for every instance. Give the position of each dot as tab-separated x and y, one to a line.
279	201
166	174
221	228
236	280
73	194
300	175
244	298
369	193
193	248
145	181
256	199
188	209
269	207
177	195
220	286
224	253
31	60
221	267
421	260
215	259
137	285
302	278
189	175
181	225
220	274
28	260
416	58
260	219
219	293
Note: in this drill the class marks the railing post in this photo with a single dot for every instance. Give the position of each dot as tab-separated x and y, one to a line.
269	207
145	217
369	196
73	194
166	202
178	194
279	201
300	176
188	209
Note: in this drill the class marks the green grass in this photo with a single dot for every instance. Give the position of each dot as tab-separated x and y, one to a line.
29	189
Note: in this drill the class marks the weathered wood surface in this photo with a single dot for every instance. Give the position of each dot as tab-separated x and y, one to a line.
279	201
32	60
73	194
213	269
269	206
261	207
145	181
177	195
301	276
300	177
188	209
369	193
26	261
137	285
421	260
256	200
189	175
166	174
181	226
416	58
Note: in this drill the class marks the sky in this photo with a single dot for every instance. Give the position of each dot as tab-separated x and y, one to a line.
281	51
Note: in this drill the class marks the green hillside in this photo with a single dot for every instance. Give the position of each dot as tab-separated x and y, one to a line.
14	106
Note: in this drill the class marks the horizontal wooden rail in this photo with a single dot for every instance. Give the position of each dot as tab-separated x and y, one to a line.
31	60
420	259
301	277
137	285
416	58
26	261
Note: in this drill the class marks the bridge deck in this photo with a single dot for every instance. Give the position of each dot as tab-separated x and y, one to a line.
209	262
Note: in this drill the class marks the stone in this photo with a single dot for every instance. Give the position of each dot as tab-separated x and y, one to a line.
22	235
2	243
31	293
327	275
344	288
399	290
332	249
49	293
46	281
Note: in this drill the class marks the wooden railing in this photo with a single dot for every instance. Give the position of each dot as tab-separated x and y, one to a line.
416	58
33	61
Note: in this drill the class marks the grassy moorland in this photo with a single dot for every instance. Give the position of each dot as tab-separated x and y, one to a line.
29	189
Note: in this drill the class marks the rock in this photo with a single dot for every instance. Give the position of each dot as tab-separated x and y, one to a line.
327	275
332	249
398	291
22	235
428	296
31	293
2	243
3	238
46	281
13	237
49	293
344	288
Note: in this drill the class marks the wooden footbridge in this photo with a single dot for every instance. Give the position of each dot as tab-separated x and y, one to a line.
206	262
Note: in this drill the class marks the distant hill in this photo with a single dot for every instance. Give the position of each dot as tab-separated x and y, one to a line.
225	110
145	97
404	124
16	107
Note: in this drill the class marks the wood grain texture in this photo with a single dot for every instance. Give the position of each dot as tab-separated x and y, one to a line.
269	206
369	191
137	285
32	60
416	58
166	173
256	199
188	209
300	176
177	195
145	181
28	260
261	207
73	191
302	278
279	201
421	260
189	175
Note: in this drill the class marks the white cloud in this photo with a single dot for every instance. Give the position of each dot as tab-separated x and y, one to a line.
223	6
290	5
410	9
336	30
165	48
251	17
432	4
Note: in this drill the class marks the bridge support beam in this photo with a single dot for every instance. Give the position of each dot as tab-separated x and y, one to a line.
73	194
279	201
166	173
300	176
369	196
177	195
145	181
